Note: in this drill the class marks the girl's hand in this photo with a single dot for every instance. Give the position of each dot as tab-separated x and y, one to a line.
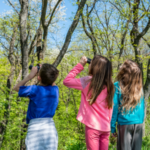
114	134
83	60
33	72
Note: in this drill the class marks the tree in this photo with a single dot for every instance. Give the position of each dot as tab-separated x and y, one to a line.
70	32
91	33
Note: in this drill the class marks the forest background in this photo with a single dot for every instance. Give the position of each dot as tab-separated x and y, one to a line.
60	32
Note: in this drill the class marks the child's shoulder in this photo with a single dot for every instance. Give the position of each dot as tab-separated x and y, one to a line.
29	87
47	87
34	86
85	81
55	87
27	91
85	78
117	87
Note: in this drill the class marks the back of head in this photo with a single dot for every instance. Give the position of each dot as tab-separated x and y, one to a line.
130	78
101	71
48	74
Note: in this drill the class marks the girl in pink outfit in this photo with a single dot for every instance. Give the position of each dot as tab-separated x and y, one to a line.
96	100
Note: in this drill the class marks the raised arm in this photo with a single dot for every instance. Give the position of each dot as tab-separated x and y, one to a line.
72	82
25	80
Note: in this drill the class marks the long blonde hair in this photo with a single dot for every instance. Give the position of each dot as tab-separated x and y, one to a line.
101	71
130	78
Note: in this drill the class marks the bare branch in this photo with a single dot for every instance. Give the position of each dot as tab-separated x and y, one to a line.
84	27
3	45
43	14
70	32
13	7
144	30
33	44
92	8
148	44
117	8
11	57
92	35
51	17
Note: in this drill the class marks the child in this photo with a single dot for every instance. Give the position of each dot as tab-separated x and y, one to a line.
128	108
42	134
96	100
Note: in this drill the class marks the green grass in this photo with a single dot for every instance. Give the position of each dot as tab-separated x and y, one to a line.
73	144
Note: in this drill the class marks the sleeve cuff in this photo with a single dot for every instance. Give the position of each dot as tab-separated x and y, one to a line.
20	90
113	130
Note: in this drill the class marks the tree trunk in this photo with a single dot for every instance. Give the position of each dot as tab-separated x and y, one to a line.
123	41
90	36
23	36
70	32
46	24
146	92
147	83
39	43
24	51
44	42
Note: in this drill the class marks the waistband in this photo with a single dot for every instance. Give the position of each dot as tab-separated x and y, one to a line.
41	120
40	124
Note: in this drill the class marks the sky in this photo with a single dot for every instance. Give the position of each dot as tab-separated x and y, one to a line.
70	10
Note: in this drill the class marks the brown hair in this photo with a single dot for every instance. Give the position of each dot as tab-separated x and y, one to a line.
101	71
130	78
48	74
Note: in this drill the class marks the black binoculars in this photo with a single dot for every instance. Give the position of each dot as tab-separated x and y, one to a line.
88	60
38	67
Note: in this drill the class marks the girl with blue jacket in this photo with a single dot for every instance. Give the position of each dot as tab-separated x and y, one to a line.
128	109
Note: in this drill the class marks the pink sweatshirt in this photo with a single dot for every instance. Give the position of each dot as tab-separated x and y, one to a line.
97	115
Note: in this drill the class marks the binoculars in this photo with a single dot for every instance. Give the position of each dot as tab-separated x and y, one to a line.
38	67
88	60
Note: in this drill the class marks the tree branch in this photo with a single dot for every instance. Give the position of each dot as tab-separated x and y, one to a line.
92	8
51	17
117	8
43	14
33	44
3	45
144	30
92	35
84	27
146	42
13	6
11	57
70	32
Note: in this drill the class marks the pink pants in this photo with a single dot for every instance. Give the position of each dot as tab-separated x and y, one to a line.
96	140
